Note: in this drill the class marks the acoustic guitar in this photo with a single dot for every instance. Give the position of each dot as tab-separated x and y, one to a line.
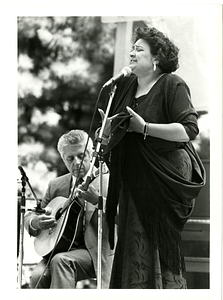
61	237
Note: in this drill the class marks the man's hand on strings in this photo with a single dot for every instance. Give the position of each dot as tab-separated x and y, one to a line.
43	221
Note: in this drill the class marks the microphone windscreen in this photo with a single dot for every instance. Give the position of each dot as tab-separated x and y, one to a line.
126	71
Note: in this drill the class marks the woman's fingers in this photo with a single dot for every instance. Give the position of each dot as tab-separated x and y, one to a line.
137	123
101	112
130	111
113	117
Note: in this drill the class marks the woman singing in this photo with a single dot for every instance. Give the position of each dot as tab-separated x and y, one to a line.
155	173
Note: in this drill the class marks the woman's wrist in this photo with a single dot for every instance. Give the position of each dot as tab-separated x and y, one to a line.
146	130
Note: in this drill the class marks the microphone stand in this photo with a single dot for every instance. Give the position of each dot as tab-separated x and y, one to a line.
97	153
100	227
21	231
38	208
24	180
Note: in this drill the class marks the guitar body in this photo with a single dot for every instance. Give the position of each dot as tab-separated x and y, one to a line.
61	237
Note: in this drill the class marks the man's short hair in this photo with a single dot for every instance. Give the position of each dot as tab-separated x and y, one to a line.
74	137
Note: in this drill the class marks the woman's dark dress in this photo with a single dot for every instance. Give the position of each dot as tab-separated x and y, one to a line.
154	183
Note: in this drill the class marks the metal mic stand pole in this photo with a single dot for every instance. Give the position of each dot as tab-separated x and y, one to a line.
100	201
99	139
21	232
100	227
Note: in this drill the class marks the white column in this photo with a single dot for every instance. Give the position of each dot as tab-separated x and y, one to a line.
122	45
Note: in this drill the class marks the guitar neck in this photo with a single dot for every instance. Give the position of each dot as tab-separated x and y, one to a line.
73	197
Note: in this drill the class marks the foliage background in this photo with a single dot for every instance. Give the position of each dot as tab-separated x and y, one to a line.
62	64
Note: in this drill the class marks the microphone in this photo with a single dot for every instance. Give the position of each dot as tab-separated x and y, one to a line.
46	210
23	173
126	71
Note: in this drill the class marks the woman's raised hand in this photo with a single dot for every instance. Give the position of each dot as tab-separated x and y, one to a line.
137	123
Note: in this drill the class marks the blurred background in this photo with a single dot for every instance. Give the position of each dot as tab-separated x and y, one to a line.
62	64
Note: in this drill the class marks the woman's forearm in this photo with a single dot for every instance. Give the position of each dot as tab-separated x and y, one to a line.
171	132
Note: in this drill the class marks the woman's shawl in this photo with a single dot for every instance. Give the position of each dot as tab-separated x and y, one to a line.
163	198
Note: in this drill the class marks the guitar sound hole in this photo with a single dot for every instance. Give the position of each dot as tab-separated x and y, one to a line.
58	214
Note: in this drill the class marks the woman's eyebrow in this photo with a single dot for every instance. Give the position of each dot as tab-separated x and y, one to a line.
137	46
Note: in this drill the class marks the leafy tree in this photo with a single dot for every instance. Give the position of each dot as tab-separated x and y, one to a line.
62	65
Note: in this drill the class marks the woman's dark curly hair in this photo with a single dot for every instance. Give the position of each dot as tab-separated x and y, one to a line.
165	51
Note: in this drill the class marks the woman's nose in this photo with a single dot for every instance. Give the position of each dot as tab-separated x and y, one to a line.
132	53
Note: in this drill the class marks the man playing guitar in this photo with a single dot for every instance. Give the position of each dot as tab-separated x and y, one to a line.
67	238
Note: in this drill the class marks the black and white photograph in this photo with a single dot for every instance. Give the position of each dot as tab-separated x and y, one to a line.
115	150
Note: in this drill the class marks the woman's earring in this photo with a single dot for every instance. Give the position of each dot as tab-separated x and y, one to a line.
154	66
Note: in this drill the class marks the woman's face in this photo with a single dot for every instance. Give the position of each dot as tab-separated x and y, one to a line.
141	59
